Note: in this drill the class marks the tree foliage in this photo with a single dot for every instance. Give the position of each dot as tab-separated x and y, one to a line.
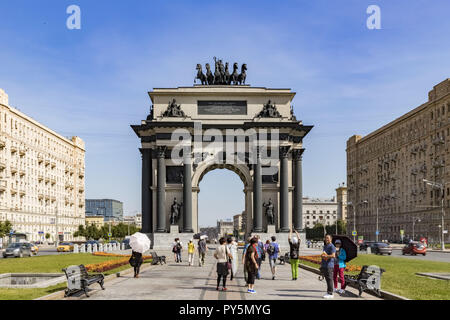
318	231
118	231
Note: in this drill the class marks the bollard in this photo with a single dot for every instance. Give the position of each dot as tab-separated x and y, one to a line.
369	250
114	248
100	247
75	248
83	248
105	247
89	248
122	246
94	248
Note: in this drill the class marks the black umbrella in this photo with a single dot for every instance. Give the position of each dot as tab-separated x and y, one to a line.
348	245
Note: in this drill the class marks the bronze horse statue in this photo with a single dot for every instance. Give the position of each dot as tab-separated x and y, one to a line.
235	75
209	75
243	75
217	72
200	75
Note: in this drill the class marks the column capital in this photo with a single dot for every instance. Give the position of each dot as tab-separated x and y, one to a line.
298	154
161	151
284	151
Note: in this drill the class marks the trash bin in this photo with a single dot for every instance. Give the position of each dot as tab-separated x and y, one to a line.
369	250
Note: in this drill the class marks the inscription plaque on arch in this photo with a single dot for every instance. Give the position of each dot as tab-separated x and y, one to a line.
209	107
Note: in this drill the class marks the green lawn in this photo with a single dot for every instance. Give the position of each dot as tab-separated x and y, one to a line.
400	277
46	264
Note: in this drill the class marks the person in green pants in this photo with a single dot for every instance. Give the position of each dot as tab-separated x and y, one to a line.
294	244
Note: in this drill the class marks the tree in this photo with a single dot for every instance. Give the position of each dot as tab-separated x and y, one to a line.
5	228
47	236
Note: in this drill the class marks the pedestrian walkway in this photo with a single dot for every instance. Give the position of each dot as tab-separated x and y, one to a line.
178	281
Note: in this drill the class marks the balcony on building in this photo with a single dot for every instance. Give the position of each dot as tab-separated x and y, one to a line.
22	151
2	143
40	158
40	196
13	149
13	169
52	181
81	173
21	172
2	164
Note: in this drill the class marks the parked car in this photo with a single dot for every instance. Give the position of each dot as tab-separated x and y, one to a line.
414	248
65	247
364	245
127	243
18	250
381	248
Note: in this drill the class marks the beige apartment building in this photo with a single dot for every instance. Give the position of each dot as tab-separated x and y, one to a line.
41	177
97	221
386	168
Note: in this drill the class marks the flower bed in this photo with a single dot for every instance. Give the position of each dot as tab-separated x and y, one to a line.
107	254
316	259
111	264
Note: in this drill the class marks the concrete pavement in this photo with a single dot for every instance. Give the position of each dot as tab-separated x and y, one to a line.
182	282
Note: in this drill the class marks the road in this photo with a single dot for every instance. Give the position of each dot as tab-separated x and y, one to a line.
430	256
43	251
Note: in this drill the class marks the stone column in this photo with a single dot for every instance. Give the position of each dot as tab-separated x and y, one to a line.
161	191
298	191
284	191
187	192
257	195
146	196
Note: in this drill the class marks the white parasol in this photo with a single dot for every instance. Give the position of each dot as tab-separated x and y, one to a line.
139	242
203	237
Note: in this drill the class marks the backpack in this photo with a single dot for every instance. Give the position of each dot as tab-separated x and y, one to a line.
178	246
271	249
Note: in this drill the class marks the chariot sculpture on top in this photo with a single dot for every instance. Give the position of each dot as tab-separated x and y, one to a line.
221	75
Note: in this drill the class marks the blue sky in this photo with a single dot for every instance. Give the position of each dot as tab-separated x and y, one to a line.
93	82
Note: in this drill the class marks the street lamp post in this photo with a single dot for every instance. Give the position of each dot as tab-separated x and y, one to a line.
441	187
415	219
376	231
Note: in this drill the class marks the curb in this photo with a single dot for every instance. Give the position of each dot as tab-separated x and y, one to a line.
433	250
59	295
384	294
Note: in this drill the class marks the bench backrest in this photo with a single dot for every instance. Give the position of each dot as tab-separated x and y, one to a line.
83	271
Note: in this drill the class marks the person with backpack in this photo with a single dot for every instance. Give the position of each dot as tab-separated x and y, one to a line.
294	244
177	247
272	250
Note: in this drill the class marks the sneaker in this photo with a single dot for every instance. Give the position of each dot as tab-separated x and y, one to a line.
217	288
273	277
249	291
224	289
253	291
328	296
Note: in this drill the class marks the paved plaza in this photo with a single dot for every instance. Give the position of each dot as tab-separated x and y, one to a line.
181	282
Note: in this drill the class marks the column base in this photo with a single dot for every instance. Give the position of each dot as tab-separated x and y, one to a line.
188	230
284	230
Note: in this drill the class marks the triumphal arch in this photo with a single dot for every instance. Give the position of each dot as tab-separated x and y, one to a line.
221	123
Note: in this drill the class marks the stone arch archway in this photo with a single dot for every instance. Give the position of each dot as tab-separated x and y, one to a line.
244	174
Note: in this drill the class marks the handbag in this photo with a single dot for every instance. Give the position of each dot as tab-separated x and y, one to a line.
132	261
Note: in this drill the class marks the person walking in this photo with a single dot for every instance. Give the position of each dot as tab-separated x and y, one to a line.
261	255
232	247
177	248
243	257
327	265
222	255
136	261
251	264
191	251
339	266
174	250
272	250
294	247
201	252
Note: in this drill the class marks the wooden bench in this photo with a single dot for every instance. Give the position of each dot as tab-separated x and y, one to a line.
79	279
